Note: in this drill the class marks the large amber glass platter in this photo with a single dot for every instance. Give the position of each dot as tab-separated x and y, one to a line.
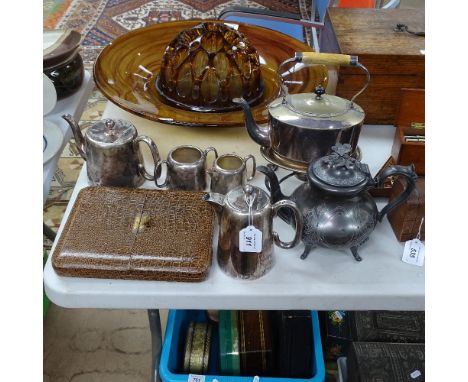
127	69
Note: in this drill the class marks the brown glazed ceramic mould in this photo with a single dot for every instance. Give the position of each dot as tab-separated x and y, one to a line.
59	46
126	71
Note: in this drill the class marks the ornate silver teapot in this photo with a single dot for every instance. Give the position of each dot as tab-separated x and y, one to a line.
338	211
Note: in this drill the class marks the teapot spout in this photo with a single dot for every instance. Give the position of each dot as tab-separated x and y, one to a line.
272	183
259	135
80	143
215	199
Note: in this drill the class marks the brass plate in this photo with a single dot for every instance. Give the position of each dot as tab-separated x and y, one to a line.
126	72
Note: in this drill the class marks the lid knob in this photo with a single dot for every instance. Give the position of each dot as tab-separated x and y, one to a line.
248	189
319	90
110	124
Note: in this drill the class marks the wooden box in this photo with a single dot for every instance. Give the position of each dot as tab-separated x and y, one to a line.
395	60
410	123
386	362
407	217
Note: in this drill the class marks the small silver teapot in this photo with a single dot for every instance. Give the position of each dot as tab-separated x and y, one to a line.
338	211
112	153
246	236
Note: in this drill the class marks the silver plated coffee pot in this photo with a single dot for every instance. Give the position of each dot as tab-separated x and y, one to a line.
338	211
246	236
112	153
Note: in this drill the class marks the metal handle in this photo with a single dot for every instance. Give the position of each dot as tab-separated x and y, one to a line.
331	59
298	223
158	168
254	164
409	173
154	152
208	149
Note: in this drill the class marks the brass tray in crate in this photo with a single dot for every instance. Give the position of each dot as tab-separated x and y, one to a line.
141	234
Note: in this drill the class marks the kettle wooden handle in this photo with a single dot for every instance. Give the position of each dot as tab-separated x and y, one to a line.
326	58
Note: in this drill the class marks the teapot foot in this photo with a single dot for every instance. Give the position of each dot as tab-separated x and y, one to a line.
307	249
355	253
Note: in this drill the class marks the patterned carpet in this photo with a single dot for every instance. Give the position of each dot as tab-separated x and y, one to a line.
100	21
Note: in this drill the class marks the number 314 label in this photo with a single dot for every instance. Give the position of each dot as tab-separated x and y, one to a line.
250	239
414	252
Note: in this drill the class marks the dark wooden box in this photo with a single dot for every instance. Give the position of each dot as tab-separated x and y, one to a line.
409	119
395	60
386	362
406	218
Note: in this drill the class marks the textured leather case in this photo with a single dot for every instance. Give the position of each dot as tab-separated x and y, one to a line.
256	353
122	233
385	362
294	343
387	326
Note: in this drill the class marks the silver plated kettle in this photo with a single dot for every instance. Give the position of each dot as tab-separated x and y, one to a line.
246	209
112	153
338	211
303	127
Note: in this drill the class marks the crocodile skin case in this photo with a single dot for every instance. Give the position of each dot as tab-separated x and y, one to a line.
122	233
385	362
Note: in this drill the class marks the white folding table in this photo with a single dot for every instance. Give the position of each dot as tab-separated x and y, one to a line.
326	280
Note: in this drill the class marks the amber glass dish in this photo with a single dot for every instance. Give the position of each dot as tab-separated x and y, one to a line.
127	69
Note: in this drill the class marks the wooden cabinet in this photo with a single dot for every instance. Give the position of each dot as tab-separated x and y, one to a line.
395	60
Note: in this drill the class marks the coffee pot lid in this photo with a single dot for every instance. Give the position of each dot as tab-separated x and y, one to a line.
111	131
240	197
339	173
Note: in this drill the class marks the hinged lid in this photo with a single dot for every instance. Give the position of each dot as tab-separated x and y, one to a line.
238	198
111	132
339	173
320	105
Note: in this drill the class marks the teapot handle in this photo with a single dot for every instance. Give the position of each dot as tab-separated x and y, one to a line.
298	223
409	173
154	153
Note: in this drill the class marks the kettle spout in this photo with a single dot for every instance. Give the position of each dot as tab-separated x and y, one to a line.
272	183
80	143
215	199
259	135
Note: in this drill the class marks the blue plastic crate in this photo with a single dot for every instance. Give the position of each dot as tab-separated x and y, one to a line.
174	343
